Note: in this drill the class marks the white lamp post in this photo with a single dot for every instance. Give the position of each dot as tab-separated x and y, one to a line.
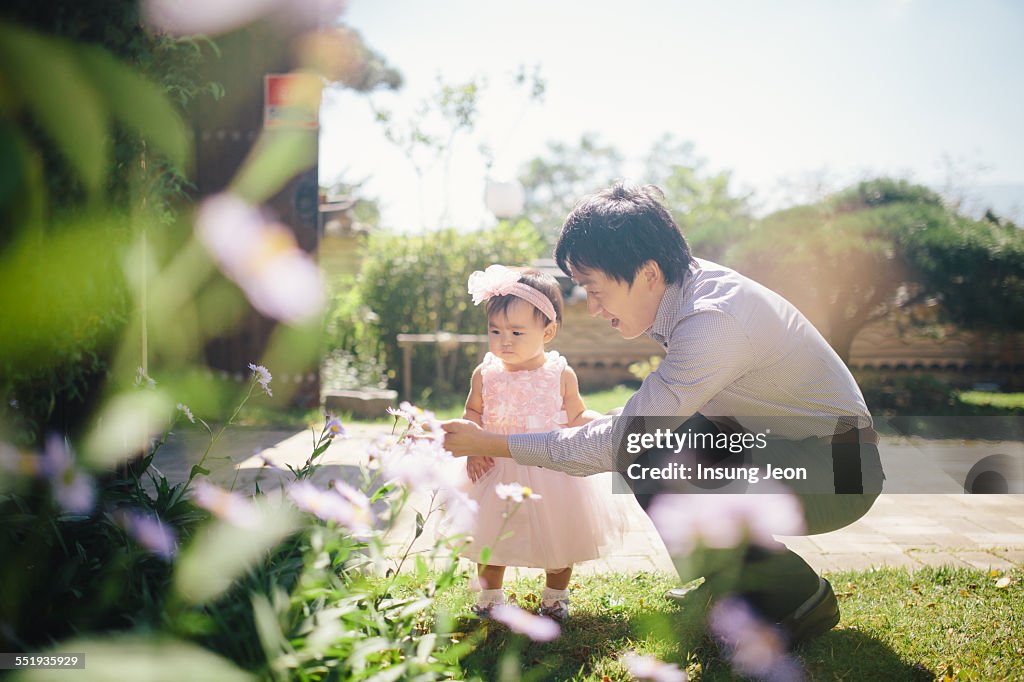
504	199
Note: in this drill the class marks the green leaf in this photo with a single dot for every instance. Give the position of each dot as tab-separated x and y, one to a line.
142	659
420	521
221	551
389	674
268	628
125	425
197	470
44	75
320	450
279	155
11	168
415	607
137	102
22	185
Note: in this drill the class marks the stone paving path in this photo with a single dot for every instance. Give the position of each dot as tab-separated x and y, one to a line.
947	528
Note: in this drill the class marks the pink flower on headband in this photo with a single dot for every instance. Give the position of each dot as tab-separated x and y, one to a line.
496	280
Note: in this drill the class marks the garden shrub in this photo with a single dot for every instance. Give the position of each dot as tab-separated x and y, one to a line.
416	284
319	597
925	406
896	394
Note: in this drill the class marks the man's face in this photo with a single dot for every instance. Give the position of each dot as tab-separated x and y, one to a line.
630	309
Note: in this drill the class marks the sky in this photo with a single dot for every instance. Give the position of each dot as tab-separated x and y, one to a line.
781	94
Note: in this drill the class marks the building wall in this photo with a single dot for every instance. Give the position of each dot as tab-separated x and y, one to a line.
225	131
598	353
962	357
601	357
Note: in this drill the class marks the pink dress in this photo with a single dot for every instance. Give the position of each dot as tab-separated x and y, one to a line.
572	521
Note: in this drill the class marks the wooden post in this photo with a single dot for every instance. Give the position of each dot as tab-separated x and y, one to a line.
407	371
446	342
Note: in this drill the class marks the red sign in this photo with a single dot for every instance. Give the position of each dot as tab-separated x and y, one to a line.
291	100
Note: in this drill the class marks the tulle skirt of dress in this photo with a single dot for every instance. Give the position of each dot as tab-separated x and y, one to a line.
574	519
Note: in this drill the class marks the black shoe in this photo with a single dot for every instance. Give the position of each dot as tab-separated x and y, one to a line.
814	617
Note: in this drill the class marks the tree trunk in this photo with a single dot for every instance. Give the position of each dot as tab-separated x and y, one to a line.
841	340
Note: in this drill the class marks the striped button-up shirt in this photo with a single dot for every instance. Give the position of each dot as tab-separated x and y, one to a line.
733	349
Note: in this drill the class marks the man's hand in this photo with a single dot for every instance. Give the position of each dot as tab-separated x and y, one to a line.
464	438
476	467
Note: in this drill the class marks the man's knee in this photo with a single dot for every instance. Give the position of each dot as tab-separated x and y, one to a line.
826	513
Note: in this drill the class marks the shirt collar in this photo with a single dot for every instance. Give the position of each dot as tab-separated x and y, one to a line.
668	310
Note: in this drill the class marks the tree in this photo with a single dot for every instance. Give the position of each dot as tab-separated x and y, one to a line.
879	247
709	214
976	268
428	135
555	182
417	284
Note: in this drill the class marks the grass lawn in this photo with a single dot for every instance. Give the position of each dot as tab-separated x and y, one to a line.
264	416
602	401
1005	401
935	623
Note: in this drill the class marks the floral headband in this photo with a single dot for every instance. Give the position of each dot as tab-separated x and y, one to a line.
497	280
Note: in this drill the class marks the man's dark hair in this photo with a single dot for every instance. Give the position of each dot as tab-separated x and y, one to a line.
619	229
544	283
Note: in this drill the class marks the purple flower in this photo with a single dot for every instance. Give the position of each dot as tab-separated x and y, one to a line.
267	462
537	628
754	647
459	511
343	504
74	491
278	278
189	17
15	462
650	668
226	505
423	425
262	375
149	531
421	464
334	428
515	492
410	413
724	520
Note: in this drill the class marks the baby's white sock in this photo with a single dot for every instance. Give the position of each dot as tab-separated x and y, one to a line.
490	597
550	597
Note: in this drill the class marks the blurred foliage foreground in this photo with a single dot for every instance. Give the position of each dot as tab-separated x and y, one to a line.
107	290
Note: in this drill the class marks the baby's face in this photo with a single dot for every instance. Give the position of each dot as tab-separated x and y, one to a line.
517	336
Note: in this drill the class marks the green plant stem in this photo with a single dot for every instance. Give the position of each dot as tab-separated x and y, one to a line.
223	428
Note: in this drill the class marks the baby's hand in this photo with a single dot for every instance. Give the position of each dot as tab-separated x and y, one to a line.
476	467
586	417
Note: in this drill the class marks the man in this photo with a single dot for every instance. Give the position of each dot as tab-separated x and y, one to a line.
738	357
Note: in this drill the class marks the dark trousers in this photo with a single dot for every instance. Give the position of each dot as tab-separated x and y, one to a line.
776	580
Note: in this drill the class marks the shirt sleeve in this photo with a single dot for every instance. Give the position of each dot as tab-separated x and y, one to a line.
707	351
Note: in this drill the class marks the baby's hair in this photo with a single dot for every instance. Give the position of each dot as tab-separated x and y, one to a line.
544	283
